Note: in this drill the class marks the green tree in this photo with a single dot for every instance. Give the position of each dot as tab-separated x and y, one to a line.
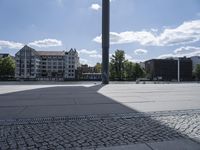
7	67
97	68
1	68
117	65
121	69
138	71
197	71
129	70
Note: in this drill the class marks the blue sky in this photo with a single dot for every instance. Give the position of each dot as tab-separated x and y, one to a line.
145	29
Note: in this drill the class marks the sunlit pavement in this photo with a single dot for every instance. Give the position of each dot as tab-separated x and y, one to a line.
88	115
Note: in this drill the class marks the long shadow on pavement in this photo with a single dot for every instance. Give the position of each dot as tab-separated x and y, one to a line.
75	117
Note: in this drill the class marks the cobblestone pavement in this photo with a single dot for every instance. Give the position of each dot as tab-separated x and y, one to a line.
85	132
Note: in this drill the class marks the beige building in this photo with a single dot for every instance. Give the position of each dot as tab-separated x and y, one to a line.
46	65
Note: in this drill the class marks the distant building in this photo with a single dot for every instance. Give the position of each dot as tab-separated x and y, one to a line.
46	65
91	76
86	72
167	69
195	61
86	69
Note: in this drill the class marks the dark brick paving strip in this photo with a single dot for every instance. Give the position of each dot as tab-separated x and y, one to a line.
98	131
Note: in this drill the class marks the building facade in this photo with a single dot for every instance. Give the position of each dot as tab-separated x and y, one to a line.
167	69
46	65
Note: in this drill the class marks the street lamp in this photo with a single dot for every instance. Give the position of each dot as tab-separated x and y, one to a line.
178	69
105	40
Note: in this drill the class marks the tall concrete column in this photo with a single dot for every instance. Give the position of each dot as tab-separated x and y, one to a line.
105	40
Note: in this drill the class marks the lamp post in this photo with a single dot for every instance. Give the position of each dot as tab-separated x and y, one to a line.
105	40
178	69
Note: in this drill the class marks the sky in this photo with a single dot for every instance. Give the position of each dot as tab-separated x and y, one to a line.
144	29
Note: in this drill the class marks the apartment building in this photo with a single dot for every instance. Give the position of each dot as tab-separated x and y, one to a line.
46	65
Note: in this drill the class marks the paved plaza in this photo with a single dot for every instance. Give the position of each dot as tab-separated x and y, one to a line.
93	116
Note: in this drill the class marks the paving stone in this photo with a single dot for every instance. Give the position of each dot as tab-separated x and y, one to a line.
100	131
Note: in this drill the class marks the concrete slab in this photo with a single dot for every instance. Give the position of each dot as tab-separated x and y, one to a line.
127	147
79	99
163	106
175	145
184	144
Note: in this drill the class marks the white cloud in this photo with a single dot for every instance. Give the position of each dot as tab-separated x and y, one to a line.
86	61
142	37
187	51
41	43
46	43
88	52
98	56
83	61
128	57
154	30
166	56
188	32
140	51
10	44
95	7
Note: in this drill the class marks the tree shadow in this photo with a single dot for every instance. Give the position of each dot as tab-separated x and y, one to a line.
82	113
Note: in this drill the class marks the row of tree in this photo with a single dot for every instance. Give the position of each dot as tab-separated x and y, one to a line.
122	69
197	72
7	68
